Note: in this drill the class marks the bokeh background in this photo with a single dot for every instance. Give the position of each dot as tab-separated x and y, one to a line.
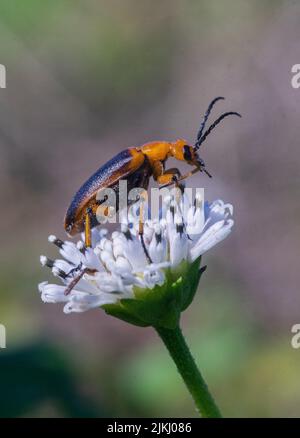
87	78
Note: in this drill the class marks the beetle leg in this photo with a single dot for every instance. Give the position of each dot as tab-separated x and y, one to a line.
141	232
75	280
183	177
169	177
192	172
163	176
87	228
73	270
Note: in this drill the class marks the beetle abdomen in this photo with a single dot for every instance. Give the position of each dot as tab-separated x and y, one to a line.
123	164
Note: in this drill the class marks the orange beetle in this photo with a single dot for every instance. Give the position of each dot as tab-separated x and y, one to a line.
136	165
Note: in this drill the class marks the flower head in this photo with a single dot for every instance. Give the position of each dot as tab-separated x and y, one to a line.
115	273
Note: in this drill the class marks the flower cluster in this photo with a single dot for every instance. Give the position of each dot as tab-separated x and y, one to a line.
117	267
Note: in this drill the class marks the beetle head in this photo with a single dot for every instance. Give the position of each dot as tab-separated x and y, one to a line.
182	151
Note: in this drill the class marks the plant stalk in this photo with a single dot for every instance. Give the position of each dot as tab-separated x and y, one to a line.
187	368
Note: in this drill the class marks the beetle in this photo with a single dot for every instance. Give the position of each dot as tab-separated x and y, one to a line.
137	165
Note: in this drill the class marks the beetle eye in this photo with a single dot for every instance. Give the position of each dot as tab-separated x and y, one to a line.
187	153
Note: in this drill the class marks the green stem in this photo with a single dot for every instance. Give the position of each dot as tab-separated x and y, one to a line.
187	368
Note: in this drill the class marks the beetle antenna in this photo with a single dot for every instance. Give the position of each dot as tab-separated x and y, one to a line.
212	127
207	172
206	115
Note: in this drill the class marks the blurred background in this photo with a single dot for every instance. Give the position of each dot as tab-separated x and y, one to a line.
88	78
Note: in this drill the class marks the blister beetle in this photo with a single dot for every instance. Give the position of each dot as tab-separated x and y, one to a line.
137	165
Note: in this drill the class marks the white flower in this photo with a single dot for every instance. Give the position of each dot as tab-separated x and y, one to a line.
116	266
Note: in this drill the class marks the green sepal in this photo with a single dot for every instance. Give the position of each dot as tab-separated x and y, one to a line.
162	305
